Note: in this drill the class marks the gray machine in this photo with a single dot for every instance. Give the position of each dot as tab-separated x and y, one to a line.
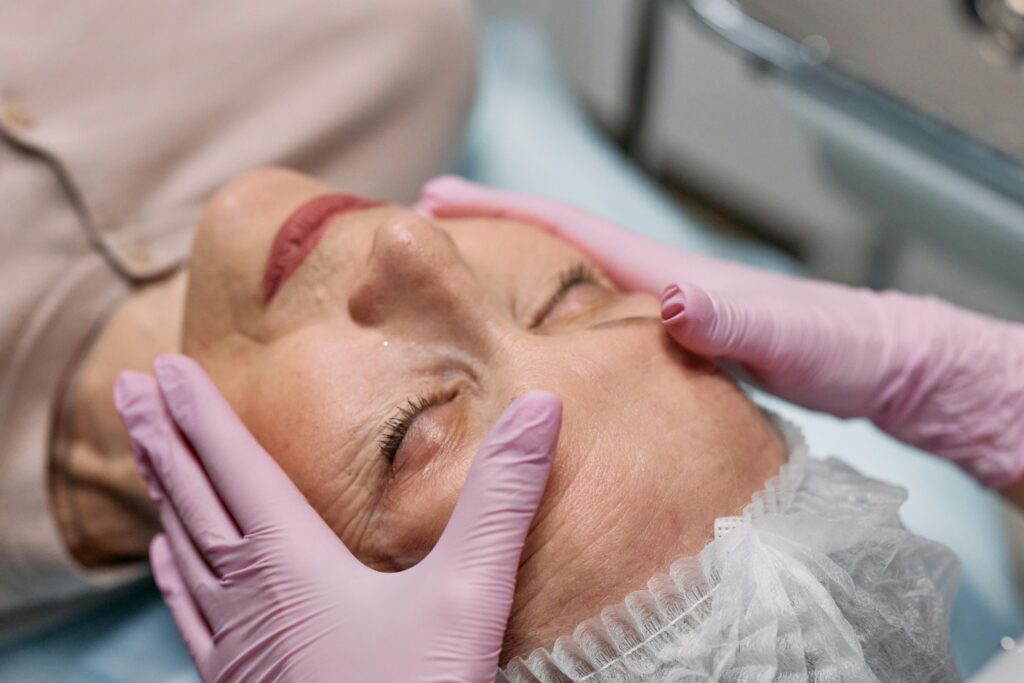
917	107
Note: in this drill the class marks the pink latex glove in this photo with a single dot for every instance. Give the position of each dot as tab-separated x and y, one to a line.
263	590
944	379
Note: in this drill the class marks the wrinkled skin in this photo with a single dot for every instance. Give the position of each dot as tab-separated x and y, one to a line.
392	307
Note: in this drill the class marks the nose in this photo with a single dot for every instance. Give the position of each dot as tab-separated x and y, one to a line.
416	277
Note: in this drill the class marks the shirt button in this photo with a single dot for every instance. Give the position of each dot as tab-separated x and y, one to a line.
139	254
16	114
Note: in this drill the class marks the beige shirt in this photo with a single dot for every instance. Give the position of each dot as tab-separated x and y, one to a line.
118	119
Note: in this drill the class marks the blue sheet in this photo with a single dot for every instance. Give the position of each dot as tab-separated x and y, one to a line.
528	135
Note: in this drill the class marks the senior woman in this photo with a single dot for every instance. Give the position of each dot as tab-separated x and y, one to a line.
369	349
118	121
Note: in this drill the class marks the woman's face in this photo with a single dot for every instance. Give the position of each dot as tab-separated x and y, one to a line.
372	369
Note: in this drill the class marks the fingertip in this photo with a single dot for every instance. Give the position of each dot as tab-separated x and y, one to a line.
424	209
533	421
539	402
442	190
673	304
699	326
159	551
129	387
443	184
442	181
165	572
171	369
179	378
686	300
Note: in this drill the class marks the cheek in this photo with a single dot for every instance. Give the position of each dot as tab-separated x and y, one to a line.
288	395
299	435
416	507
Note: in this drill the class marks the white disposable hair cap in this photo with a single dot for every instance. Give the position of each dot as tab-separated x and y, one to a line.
817	580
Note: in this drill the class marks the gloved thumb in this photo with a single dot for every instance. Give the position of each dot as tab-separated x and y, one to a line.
485	536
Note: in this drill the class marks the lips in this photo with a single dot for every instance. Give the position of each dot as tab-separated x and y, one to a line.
300	234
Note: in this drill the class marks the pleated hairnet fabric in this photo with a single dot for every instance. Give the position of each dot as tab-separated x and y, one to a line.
819	582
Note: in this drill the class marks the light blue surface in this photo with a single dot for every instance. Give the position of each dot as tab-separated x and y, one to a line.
131	640
528	135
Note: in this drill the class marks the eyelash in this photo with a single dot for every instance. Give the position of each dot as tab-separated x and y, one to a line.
570	277
398	425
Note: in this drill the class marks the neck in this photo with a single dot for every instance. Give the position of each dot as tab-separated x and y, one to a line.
99	500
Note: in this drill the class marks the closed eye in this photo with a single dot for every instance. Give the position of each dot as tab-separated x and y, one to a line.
393	432
576	274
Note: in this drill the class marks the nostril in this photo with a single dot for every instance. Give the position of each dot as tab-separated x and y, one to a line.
365	307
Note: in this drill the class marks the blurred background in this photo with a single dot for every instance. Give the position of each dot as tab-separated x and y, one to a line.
862	185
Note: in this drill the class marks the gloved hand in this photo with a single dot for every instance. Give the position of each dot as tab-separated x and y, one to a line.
263	590
941	378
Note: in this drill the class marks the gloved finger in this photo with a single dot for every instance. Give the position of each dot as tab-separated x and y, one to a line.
455	197
450	196
719	324
193	627
203	585
504	486
250	483
690	316
168	458
197	573
633	261
758	335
